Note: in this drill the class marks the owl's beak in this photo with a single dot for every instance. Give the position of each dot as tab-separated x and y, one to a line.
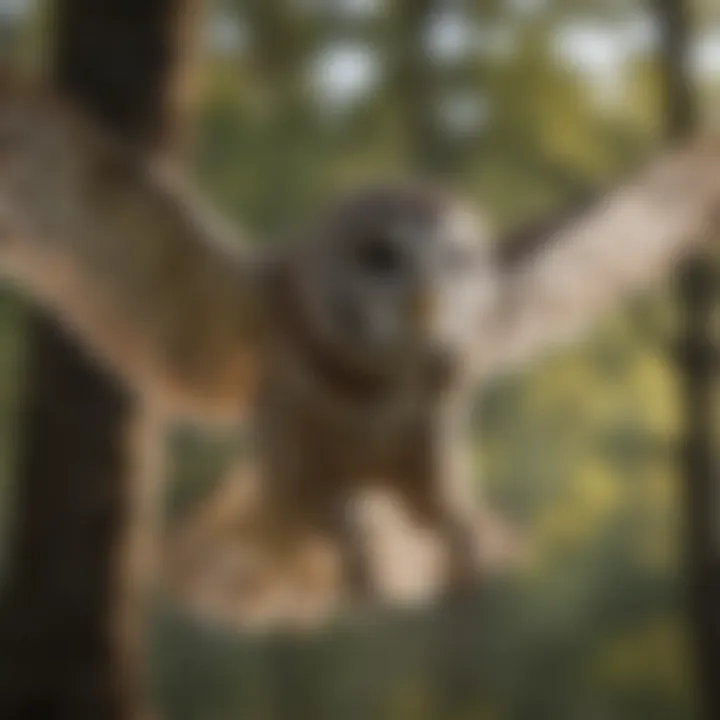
421	309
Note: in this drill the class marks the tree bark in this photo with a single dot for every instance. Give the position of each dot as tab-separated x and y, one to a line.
697	283
71	615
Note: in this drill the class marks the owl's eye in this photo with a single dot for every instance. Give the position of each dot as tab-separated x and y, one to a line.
378	255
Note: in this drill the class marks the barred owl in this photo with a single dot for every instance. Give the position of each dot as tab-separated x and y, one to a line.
354	349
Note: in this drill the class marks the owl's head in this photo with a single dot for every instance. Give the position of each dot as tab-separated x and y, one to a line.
396	276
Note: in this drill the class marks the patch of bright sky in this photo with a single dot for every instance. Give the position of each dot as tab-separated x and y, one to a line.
12	9
226	33
449	37
598	49
452	38
601	51
344	73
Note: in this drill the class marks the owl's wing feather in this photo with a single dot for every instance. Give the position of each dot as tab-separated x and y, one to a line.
558	277
125	255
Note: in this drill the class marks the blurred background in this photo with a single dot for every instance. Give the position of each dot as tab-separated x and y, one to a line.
522	104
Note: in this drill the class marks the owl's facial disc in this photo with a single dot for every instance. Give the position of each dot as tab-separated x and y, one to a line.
405	279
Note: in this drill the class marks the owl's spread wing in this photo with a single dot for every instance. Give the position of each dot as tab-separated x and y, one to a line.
557	278
125	255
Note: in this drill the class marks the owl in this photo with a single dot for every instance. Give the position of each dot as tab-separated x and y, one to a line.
354	350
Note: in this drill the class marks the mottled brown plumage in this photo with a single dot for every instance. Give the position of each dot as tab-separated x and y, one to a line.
356	348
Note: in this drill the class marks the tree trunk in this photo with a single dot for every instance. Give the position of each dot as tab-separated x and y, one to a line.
697	368
70	618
